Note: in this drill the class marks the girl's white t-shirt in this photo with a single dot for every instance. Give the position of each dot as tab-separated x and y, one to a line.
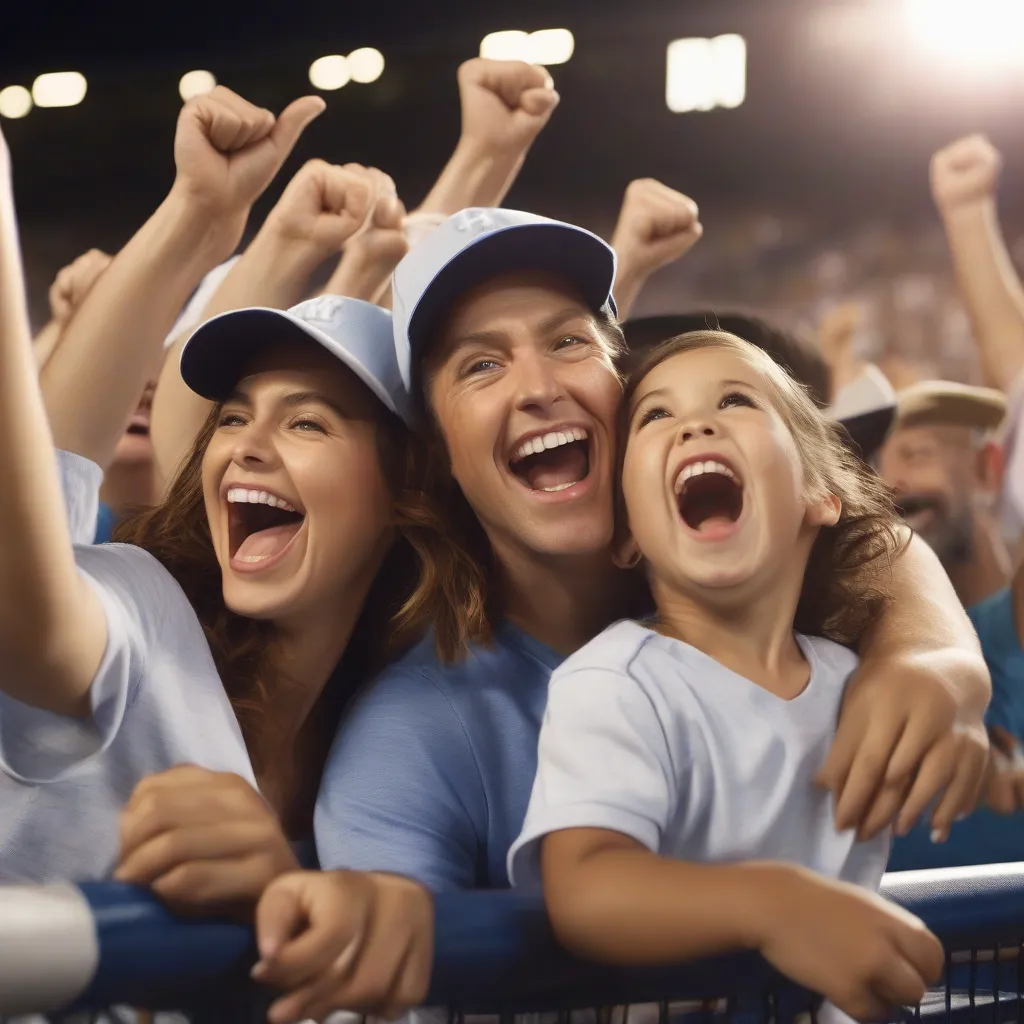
157	702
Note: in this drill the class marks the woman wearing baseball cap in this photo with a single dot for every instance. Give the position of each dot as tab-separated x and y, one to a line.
505	328
219	635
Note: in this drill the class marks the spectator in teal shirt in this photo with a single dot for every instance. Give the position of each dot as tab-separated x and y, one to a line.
946	472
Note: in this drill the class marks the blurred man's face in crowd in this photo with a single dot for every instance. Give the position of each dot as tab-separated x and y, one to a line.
135	447
938	475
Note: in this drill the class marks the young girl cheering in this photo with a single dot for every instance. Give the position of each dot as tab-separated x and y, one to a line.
675	812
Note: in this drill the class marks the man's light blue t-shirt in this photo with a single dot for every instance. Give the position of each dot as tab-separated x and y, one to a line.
431	771
982	837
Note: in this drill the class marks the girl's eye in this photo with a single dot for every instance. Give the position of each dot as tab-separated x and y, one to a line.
654	413
231	419
736	398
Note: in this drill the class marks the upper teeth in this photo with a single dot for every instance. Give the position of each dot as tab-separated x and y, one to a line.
697	468
536	445
242	494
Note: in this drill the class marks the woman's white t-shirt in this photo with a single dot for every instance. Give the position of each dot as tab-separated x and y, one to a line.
157	701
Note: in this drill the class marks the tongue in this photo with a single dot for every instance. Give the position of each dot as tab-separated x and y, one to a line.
266	543
555	467
716	527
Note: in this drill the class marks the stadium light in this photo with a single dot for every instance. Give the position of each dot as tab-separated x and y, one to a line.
702	74
15	101
59	89
329	73
365	65
196	83
546	46
975	32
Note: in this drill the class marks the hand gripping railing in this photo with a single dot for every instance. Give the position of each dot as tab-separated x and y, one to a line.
95	945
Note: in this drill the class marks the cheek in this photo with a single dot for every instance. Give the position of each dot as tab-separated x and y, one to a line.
470	427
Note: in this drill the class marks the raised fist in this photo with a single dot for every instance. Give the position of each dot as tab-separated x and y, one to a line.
505	103
227	151
656	226
372	254
324	205
74	282
838	328
965	172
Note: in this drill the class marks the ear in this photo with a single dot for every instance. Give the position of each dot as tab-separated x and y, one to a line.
626	554
824	512
990	467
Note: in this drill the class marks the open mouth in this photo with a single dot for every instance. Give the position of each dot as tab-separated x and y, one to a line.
553	461
261	525
139	426
709	495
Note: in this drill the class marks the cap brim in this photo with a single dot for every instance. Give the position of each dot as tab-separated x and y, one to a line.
214	359
574	254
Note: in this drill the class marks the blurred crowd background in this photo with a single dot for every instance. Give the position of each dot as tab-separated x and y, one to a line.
813	189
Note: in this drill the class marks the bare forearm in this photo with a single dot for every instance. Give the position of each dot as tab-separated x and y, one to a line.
114	344
629	282
359	278
269	273
924	618
474	176
39	584
626	906
990	287
46	341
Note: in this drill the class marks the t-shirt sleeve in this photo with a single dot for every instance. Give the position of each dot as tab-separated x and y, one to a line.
80	480
402	790
136	593
603	762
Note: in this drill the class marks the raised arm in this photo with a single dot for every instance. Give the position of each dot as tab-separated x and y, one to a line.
911	727
68	291
52	629
505	104
226	152
656	226
322	207
964	177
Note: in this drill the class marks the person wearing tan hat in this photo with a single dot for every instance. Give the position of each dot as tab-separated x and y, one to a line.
946	473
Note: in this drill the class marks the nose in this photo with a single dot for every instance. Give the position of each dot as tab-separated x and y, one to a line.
254	447
693	429
537	386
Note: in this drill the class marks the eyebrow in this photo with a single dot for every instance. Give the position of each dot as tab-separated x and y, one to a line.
551	323
291	400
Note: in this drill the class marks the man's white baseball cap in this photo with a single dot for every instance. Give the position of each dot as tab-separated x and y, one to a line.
480	243
357	333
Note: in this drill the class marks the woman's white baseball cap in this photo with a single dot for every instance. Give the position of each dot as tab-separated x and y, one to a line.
355	332
479	243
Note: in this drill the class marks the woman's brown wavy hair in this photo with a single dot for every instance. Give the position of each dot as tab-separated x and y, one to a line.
177	533
847	579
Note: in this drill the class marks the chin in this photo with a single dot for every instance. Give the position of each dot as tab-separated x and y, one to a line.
261	603
133	450
572	539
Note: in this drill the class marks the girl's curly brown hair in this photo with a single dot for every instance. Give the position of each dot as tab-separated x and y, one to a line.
847	579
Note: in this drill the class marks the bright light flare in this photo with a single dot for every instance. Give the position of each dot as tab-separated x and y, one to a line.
702	74
196	83
975	32
59	89
546	46
365	65
15	101
329	73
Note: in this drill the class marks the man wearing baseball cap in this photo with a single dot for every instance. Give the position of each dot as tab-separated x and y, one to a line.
505	330
945	469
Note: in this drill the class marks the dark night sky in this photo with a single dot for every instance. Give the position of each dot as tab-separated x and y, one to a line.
840	130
